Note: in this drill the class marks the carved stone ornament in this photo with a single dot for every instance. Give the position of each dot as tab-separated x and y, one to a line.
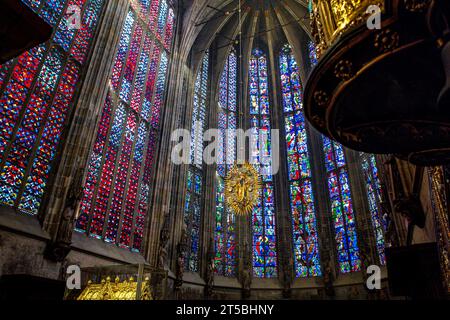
58	249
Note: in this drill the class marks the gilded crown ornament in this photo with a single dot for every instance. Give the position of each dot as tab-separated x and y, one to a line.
242	186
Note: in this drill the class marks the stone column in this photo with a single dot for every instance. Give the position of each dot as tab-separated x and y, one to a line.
163	168
209	172
322	203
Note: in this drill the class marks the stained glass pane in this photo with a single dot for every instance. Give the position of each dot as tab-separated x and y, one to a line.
374	191
224	236
263	216
312	53
193	202
341	207
304	222
117	191
37	91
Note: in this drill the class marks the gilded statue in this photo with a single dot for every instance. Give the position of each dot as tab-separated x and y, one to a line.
242	188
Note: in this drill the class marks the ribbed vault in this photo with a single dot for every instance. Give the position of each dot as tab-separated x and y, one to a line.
267	24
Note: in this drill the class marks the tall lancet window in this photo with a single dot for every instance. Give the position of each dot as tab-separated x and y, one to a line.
224	233
37	92
341	207
312	53
304	222
373	188
117	190
263	216
194	183
340	198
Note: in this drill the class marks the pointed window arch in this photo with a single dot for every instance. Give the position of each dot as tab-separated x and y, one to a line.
37	93
117	190
374	191
194	185
224	232
263	216
304	222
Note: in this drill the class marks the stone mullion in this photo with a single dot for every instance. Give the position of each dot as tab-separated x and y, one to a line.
209	172
322	200
244	234
281	193
283	185
88	109
178	177
239	125
186	92
319	178
371	228
157	207
163	179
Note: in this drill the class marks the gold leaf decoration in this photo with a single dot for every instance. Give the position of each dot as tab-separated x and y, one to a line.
107	290
242	186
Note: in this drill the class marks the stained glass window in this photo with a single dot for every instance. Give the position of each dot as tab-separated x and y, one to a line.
37	91
304	222
374	191
194	187
341	207
263	216
312	53
117	190
224	233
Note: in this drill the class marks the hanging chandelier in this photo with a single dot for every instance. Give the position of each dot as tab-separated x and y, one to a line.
383	88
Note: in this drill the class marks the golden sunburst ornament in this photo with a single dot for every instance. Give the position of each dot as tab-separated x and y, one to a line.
242	186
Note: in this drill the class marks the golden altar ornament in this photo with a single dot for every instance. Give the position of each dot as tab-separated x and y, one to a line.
242	186
108	290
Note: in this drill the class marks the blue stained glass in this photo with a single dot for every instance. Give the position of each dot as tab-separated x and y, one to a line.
374	191
117	191
224	236
162	17
263	222
193	203
304	224
312	54
36	94
341	207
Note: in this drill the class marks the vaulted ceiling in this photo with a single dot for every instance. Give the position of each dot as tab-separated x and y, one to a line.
267	24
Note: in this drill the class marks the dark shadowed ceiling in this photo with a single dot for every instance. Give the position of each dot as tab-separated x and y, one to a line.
216	25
